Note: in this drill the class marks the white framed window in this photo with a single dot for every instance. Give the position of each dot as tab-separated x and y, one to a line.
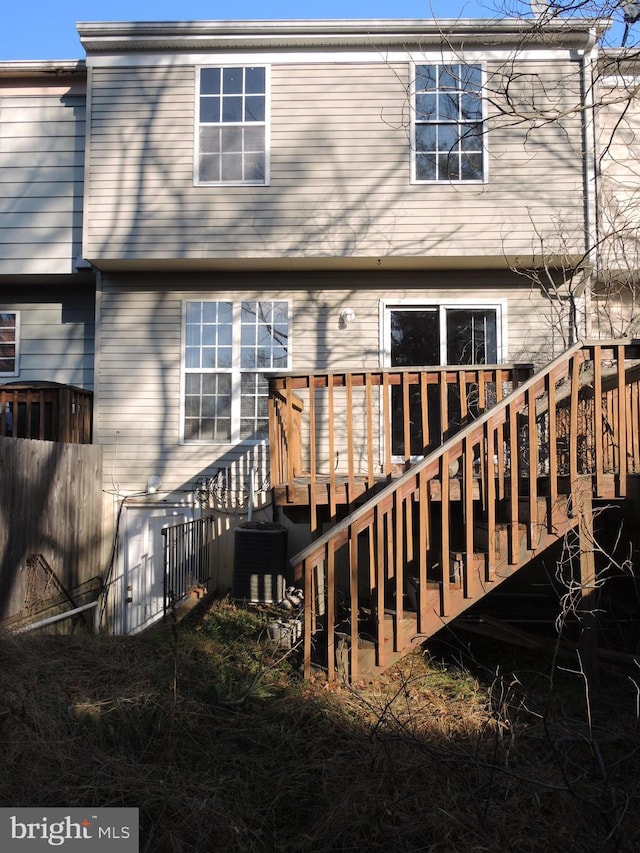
9	343
424	333
416	333
448	123
231	127
230	348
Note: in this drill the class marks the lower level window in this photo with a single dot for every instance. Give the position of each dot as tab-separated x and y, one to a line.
8	343
229	350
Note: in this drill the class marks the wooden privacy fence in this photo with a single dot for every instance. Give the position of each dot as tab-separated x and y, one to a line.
50	526
348	430
475	510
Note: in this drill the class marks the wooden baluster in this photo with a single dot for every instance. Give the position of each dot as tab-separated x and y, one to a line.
372	557
468	581
369	405
500	441
622	423
483	463
532	425
514	544
398	557
290	429
380	582
444	405
635	426
462	392
275	446
389	530
573	422
350	453
409	527
396	566
353	570
386	410
406	419
612	432
424	410
552	516
332	450
482	396
598	420
313	463
490	489
331	609
445	555
424	517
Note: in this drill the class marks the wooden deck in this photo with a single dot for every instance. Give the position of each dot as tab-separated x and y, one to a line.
409	555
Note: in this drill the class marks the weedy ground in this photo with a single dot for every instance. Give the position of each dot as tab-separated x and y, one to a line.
214	736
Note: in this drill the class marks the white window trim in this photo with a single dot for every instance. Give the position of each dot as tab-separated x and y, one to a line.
267	127
472	304
443	59
16	371
387	305
234	371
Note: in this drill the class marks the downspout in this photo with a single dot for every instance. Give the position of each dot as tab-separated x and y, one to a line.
581	305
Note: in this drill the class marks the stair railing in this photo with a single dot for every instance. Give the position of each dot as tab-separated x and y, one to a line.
431	534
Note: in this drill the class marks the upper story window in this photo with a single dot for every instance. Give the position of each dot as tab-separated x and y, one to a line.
9	340
232	117
448	129
230	347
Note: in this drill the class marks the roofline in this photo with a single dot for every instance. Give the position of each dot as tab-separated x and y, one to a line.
48	67
114	36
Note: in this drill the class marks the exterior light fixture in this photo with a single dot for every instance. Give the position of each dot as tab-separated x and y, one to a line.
153	484
347	316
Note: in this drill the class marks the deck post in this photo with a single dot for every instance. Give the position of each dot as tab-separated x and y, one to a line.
588	613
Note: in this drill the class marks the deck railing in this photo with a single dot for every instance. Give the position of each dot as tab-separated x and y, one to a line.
46	411
360	427
435	535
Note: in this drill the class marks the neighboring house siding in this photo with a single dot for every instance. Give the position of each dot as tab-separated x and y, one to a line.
340	171
139	393
41	179
616	301
56	332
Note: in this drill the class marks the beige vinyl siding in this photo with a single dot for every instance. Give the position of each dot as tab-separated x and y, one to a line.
41	182
56	332
140	371
616	304
339	172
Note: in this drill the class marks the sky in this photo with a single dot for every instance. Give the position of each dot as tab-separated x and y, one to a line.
44	29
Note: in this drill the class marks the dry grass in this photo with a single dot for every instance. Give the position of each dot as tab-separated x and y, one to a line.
222	747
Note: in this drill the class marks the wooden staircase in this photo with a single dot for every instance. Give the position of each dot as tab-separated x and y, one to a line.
477	509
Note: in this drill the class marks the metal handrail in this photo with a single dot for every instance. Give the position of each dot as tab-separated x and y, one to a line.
50	620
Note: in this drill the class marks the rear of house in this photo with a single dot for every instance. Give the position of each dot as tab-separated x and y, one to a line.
276	197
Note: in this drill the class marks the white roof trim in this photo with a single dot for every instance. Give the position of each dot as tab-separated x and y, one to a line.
100	37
